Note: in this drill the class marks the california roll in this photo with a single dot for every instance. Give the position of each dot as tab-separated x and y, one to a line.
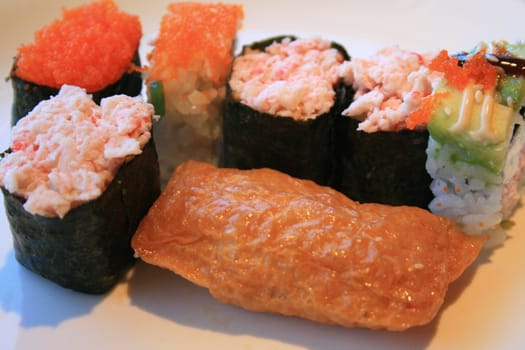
477	136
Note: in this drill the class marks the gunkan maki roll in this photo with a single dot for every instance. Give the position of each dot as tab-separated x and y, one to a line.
380	153
186	76
77	179
283	96
93	46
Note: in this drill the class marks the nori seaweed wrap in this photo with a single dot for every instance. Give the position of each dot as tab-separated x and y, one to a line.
93	46
302	148
382	167
89	249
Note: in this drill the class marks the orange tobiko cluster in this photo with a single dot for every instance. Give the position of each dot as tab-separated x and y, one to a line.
475	70
196	33
91	46
422	114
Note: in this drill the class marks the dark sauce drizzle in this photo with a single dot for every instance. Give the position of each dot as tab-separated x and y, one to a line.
511	65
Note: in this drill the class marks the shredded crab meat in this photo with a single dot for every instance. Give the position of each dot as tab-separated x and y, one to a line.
68	149
389	86
291	78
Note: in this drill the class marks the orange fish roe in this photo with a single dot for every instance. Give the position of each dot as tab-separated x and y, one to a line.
91	46
477	69
196	33
481	71
421	116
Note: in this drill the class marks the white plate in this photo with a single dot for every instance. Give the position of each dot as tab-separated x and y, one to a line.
154	309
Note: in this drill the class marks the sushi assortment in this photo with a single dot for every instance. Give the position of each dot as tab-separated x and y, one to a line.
390	138
288	176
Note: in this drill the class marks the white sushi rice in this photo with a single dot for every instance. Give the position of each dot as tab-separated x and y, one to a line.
191	128
470	194
193	100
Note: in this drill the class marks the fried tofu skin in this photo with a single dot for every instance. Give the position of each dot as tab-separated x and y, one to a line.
268	242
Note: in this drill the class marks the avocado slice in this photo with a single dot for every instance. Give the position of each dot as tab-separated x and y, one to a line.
512	91
479	138
512	87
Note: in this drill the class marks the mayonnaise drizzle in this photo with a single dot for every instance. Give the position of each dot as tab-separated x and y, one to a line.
487	109
472	95
465	110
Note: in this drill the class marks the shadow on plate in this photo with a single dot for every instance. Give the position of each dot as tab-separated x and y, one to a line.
37	301
170	297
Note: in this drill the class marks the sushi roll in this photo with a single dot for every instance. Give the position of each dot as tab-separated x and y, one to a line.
266	241
283	96
476	150
77	179
186	76
381	156
93	46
